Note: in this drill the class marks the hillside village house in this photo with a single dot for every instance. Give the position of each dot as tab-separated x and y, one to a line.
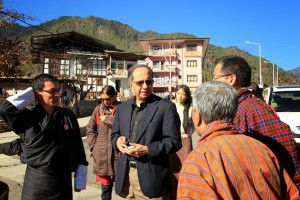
175	62
91	62
85	64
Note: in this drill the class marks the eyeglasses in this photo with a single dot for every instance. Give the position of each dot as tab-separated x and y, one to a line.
216	77
106	99
141	83
52	91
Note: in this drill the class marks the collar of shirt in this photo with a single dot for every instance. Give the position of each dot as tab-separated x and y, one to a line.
217	128
141	105
243	91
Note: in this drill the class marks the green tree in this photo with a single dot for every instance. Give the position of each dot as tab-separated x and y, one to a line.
15	54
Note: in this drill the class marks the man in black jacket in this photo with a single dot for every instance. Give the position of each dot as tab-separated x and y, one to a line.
153	127
50	141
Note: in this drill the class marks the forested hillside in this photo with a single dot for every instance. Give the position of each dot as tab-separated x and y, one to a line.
127	38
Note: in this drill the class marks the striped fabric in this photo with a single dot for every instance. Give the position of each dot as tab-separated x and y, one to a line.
256	118
228	165
175	162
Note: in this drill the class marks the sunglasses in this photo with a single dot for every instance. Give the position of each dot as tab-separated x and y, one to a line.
52	91
141	83
106	99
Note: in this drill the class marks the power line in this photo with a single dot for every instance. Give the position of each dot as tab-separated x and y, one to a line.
17	18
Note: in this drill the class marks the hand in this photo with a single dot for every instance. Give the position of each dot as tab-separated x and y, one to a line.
102	118
121	144
137	151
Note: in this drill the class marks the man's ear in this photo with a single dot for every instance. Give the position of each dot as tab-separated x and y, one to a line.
37	95
232	80
197	118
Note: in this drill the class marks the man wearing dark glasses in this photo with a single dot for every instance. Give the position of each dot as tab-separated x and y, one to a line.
50	142
146	130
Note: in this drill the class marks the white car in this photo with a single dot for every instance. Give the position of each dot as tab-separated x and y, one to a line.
286	102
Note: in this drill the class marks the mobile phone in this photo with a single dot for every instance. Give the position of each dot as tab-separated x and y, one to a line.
127	143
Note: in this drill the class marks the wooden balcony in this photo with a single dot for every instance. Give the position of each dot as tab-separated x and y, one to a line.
120	73
163	52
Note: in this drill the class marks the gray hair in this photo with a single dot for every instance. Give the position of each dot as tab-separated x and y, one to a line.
134	67
216	100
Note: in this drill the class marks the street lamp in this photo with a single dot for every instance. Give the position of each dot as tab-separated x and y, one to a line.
259	51
273	70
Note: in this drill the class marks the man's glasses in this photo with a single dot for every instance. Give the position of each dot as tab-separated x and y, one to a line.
141	83
52	91
216	77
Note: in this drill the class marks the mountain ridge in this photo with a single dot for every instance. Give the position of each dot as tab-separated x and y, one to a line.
125	37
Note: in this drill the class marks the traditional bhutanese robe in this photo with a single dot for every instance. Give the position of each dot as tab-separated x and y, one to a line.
51	146
257	119
228	165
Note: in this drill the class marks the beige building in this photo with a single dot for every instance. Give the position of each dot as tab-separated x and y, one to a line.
175	62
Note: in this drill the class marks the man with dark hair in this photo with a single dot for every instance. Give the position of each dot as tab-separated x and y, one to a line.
146	130
226	164
255	117
50	142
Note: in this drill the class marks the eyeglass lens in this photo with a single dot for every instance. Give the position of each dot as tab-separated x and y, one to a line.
140	83
52	90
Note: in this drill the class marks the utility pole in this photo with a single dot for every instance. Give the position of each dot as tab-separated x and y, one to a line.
170	69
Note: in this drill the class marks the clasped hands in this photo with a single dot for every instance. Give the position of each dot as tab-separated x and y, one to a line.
130	148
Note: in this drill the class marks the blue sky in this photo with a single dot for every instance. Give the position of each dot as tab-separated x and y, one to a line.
275	25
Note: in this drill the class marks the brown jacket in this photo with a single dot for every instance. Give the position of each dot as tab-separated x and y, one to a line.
98	140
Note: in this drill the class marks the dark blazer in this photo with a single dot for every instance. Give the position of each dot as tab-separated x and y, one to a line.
160	131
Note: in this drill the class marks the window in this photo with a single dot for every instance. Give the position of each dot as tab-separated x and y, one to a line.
54	67
191	47
285	101
64	67
113	65
57	65
155	47
129	66
191	63
192	78
99	82
78	66
155	64
99	67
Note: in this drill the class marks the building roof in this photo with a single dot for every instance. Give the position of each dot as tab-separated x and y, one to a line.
119	55
71	39
78	44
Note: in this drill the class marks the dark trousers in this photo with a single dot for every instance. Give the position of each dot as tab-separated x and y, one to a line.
106	191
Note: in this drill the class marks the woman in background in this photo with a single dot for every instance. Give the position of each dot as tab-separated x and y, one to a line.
183	101
98	139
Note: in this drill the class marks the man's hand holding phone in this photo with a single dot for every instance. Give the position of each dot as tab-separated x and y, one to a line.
129	147
123	144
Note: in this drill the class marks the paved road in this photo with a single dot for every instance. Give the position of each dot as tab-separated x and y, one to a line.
12	172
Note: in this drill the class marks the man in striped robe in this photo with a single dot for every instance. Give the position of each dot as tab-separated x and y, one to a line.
226	164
